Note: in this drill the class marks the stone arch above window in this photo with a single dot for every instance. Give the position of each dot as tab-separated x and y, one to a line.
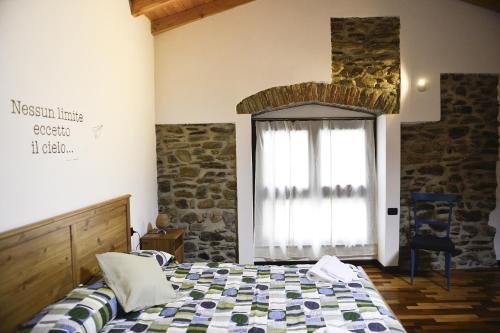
376	101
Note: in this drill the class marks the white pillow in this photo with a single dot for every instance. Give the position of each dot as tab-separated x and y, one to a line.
138	282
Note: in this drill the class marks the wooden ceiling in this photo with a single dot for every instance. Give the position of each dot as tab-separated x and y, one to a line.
169	14
488	4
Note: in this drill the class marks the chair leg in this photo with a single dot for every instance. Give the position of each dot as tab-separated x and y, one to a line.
416	263
447	267
412	269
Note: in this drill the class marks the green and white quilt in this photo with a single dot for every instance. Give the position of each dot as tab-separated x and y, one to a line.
223	297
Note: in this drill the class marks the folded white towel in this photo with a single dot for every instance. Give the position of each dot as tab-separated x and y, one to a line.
316	274
331	269
337	269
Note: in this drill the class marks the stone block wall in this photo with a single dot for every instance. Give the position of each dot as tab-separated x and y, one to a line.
365	53
197	187
457	154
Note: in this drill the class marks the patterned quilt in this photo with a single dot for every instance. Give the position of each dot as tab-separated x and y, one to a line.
220	297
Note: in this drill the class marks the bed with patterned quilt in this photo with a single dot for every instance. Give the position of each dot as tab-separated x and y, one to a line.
224	297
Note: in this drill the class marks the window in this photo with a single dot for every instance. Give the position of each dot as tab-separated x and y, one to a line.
314	188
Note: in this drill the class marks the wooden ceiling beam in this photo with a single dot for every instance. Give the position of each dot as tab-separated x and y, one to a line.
488	4
192	14
142	7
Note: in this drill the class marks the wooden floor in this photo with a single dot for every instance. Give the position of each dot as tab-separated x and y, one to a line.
472	305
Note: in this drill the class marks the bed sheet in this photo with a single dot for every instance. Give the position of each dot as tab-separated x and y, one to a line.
224	297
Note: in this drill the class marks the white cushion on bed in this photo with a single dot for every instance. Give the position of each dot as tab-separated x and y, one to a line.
138	282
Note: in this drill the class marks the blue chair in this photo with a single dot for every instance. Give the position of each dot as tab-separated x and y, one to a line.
431	242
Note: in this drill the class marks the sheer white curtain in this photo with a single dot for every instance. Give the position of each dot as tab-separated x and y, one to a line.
315	188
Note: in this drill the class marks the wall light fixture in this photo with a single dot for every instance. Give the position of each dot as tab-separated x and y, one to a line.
422	85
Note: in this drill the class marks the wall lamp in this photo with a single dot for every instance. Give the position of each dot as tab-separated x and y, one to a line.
422	85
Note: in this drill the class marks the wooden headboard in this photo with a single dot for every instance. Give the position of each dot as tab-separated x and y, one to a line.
41	262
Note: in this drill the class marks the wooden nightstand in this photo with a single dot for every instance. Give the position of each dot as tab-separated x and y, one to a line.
171	242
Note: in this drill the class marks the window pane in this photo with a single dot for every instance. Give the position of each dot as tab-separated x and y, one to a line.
285	163
342	157
325	157
350	224
299	159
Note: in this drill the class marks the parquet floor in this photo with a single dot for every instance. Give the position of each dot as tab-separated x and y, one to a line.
472	305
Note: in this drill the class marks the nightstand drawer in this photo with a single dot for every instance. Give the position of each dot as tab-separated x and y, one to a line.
156	244
171	242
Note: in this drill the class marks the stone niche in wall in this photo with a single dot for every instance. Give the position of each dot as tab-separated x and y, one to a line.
365	53
197	187
457	154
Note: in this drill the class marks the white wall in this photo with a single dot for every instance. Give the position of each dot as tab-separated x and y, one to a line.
244	188
205	68
93	57
389	187
312	111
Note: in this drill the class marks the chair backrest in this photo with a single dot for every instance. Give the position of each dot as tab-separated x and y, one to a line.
433	197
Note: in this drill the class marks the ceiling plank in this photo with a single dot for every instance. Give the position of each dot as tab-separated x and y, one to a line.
192	14
140	7
488	4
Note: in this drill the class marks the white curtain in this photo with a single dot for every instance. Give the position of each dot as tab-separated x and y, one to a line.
315	189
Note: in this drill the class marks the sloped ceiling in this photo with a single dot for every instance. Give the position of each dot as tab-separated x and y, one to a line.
169	14
488	4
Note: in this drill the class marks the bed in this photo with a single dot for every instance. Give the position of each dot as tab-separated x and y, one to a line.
225	297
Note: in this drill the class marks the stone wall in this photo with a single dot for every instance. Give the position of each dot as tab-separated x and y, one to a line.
197	187
365	53
456	155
